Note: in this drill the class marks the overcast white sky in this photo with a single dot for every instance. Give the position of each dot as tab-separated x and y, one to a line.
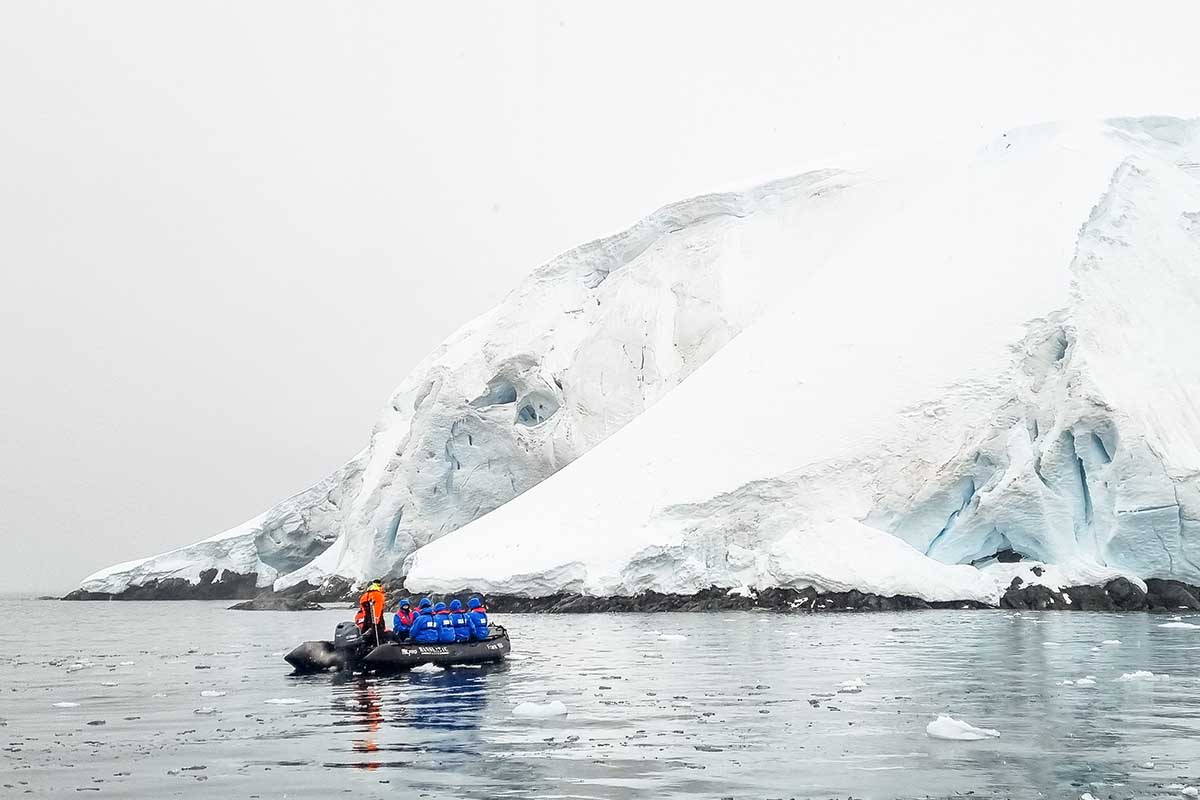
228	229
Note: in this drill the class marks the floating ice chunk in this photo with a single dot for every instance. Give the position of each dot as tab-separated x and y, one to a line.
852	686
1187	625
1147	765
125	664
159	694
1066	683
672	637
204	710
952	729
1050	644
66	704
1142	675
1087	796
1090	680
1190	791
283	701
75	667
212	693
108	683
1111	641
555	708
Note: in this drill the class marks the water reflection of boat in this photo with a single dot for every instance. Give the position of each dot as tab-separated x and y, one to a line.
349	651
368	708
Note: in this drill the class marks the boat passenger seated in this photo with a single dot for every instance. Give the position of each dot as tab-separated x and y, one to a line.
425	626
445	625
477	617
402	622
462	626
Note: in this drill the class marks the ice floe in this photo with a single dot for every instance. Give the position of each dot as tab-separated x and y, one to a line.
1184	625
283	701
852	686
1142	675
65	704
555	708
212	693
952	729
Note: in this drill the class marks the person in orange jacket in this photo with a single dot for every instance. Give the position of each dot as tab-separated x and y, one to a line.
370	612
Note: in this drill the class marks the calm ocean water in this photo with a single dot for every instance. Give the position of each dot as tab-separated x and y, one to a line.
151	700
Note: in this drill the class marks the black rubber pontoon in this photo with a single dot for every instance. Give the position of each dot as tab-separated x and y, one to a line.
315	657
400	656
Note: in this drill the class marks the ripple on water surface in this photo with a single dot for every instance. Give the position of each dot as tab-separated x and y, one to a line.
604	706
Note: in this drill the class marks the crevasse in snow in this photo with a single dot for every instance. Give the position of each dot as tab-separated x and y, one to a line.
860	379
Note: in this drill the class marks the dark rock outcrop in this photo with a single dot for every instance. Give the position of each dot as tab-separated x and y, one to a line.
1116	595
276	603
229	585
1169	595
1125	595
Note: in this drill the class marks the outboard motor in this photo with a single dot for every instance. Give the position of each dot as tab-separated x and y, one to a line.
349	643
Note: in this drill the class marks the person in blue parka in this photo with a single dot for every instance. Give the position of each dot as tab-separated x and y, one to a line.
445	625
425	626
477	617
462	625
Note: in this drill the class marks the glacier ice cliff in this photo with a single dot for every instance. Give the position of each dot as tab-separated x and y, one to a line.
871	378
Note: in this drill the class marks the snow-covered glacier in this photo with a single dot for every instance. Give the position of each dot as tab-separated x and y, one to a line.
870	377
581	347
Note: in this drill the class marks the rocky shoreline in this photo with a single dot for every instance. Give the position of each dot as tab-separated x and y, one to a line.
1116	595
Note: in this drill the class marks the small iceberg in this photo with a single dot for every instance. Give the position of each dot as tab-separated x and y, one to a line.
1089	680
555	708
853	686
1142	675
212	693
66	704
283	701
1186	625
951	729
204	710
1111	641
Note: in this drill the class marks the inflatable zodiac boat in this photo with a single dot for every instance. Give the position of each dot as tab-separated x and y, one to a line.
349	651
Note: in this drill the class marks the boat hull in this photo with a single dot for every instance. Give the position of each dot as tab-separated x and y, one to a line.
321	656
401	656
316	657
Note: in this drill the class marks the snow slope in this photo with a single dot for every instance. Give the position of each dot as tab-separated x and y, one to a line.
1009	359
583	346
